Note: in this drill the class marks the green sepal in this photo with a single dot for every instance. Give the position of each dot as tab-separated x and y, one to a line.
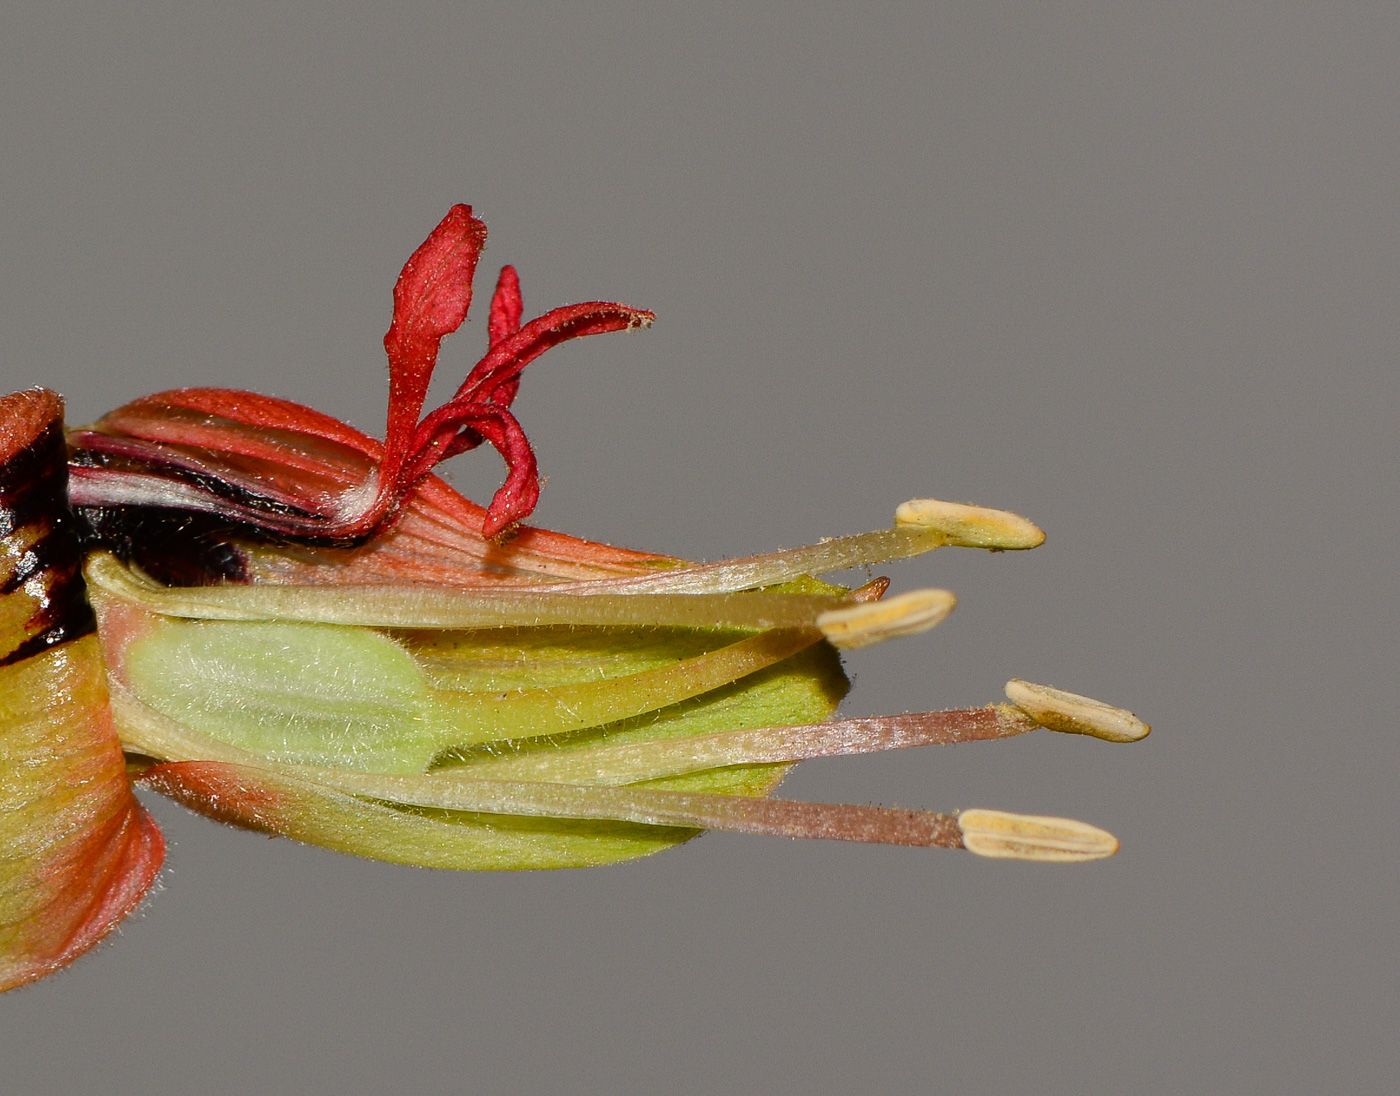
806	687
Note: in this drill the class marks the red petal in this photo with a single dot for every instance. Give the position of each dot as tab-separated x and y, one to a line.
506	305
188	439
504	361
159	418
521	491
506	308
235	794
431	300
80	852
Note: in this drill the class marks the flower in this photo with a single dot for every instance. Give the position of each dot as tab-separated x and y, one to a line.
304	631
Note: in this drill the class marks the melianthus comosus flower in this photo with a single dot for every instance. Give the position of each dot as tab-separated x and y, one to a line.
303	631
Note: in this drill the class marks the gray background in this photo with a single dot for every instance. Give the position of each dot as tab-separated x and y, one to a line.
1128	269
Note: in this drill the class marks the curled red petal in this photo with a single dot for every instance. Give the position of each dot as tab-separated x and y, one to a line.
506	308
475	413
507	305
517	496
504	361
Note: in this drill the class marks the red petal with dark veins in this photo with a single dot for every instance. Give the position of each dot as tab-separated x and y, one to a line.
159	418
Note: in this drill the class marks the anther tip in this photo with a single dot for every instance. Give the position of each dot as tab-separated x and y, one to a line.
970	526
874	621
1070	713
1004	836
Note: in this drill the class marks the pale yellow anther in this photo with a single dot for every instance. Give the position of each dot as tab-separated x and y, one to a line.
1034	837
875	621
1070	713
970	526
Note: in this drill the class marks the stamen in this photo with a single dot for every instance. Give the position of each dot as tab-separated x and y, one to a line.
732	813
970	526
873	590
631	762
874	622
1005	836
434	607
921	525
1070	713
772	568
161	739
988	833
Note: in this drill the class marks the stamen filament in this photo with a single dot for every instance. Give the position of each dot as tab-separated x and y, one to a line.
836	554
628	763
731	813
377	606
995	834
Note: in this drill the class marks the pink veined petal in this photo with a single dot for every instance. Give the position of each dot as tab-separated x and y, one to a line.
437	540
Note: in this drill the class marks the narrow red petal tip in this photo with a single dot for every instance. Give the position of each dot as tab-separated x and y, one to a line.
507	305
